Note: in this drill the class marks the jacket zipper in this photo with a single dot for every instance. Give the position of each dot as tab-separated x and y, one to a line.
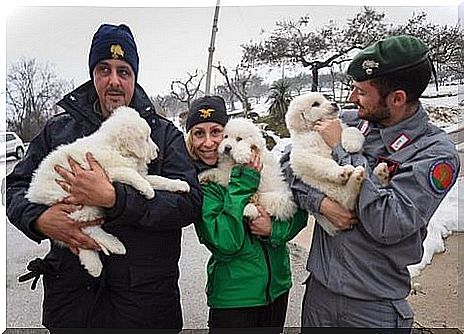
269	273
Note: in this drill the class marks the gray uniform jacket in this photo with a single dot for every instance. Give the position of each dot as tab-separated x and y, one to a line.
370	261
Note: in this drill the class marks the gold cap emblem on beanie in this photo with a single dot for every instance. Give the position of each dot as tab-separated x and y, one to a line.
116	51
206	113
369	66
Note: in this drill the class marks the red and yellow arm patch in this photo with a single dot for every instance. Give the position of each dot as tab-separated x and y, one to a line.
441	176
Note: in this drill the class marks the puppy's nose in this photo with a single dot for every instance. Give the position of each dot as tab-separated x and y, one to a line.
335	107
227	149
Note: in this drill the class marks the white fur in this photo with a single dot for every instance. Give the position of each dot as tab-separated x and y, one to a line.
241	136
311	158
383	174
123	147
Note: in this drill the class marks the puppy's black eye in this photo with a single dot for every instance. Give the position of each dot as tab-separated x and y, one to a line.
226	136
239	138
316	104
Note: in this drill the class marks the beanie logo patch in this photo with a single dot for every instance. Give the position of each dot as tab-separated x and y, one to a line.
369	65
116	51
206	113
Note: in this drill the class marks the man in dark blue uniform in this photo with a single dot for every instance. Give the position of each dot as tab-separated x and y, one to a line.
359	277
139	289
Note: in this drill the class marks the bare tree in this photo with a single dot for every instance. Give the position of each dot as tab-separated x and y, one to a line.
239	83
32	90
186	91
168	105
446	42
292	42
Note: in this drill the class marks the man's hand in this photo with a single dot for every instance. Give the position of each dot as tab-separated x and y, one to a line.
56	224
87	187
263	224
330	130
340	217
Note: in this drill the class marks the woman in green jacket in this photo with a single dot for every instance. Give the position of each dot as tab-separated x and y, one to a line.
249	274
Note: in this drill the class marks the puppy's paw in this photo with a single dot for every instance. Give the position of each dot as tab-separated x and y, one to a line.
251	211
345	173
148	192
110	243
359	174
180	186
91	261
382	173
206	177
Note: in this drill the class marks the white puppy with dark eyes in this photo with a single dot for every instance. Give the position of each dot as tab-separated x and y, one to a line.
124	148
241	138
311	158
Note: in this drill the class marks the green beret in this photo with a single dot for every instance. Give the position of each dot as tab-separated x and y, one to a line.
389	55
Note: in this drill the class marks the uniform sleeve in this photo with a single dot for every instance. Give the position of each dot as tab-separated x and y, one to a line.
167	210
221	226
305	196
392	214
20	211
286	230
344	158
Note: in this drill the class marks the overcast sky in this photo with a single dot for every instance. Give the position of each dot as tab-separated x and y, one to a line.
172	40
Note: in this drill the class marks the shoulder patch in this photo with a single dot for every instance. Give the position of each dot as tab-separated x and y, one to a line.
441	176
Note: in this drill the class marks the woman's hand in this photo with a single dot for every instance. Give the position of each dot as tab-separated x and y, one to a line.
263	224
255	161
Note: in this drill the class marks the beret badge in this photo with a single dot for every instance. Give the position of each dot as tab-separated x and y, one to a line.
369	66
116	51
206	113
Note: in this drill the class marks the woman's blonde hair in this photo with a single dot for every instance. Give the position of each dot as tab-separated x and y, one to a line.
190	148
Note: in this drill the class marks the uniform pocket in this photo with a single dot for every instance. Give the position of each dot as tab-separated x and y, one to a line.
405	314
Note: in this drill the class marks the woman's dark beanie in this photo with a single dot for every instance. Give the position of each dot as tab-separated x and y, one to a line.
207	109
113	42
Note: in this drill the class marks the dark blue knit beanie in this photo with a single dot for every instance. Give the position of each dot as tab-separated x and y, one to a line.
113	42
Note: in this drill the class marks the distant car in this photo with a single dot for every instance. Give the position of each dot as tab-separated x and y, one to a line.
12	145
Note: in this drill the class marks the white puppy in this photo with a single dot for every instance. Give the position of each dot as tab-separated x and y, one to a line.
123	147
311	158
241	137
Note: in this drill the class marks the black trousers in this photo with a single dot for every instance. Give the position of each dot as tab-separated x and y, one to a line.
270	318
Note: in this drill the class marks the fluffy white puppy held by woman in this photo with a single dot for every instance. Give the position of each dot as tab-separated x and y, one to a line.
123	147
241	138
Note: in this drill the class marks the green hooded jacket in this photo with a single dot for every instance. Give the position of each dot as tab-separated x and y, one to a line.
244	269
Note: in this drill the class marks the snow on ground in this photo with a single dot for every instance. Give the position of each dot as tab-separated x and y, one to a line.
444	222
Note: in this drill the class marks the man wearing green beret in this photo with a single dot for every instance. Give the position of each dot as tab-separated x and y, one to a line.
359	277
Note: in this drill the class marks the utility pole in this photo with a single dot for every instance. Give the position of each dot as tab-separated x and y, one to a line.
211	49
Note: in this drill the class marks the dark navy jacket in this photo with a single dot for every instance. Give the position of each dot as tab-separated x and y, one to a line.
140	289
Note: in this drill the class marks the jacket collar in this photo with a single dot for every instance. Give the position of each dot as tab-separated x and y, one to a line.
200	166
80	104
400	135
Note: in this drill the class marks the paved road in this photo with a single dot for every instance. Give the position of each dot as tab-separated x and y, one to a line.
24	305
